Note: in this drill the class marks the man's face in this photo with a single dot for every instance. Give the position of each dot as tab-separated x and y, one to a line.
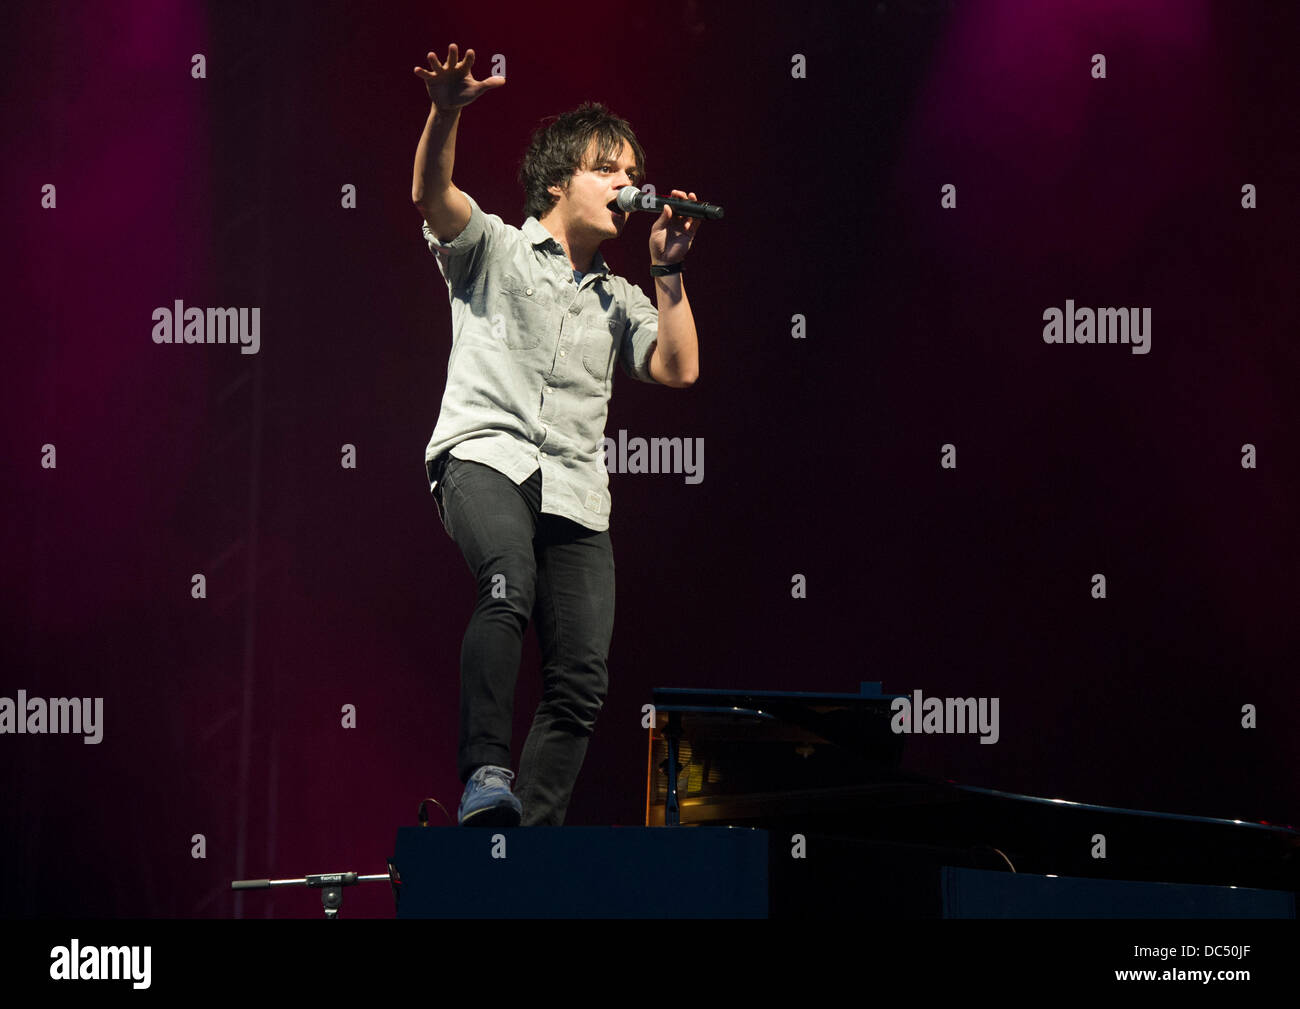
592	188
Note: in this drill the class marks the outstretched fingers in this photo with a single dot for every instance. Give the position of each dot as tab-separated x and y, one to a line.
437	68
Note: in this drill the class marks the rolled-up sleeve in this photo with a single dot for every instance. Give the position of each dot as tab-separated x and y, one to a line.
642	332
461	259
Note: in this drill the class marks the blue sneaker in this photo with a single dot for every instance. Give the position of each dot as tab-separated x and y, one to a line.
488	801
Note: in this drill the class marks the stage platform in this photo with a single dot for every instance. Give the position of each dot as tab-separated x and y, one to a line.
737	872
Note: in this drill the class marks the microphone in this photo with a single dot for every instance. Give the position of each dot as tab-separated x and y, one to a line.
630	198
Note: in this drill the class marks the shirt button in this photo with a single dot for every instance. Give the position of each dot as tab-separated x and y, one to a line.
563	352
528	291
549	389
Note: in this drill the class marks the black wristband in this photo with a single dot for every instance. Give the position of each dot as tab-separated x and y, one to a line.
664	271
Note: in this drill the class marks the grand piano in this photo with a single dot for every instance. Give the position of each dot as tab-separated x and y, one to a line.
827	768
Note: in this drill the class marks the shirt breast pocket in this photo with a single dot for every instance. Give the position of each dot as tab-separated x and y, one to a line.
519	315
600	344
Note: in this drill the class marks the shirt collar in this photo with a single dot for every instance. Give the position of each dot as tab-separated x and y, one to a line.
536	233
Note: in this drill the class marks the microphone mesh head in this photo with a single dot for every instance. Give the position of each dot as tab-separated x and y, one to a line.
626	199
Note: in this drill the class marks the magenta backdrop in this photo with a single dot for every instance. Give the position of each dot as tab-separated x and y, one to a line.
330	587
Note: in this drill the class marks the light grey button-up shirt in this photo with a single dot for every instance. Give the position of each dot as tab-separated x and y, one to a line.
531	366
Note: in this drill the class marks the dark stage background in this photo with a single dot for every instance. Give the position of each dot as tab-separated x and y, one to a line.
330	586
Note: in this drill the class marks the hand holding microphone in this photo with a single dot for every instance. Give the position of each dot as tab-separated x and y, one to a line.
630	198
672	234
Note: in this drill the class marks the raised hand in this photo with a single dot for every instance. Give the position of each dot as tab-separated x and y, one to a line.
450	85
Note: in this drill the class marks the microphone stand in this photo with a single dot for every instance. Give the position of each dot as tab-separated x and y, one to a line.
330	884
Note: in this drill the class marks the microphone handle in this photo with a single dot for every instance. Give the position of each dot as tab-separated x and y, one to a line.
687	208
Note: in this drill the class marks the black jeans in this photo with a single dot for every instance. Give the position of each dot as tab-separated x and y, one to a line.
559	574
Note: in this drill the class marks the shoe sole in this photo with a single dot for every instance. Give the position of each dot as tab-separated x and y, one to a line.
493	816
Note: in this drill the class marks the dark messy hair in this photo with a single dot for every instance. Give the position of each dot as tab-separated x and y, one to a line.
559	145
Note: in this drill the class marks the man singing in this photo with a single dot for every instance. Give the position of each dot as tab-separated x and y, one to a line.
516	462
